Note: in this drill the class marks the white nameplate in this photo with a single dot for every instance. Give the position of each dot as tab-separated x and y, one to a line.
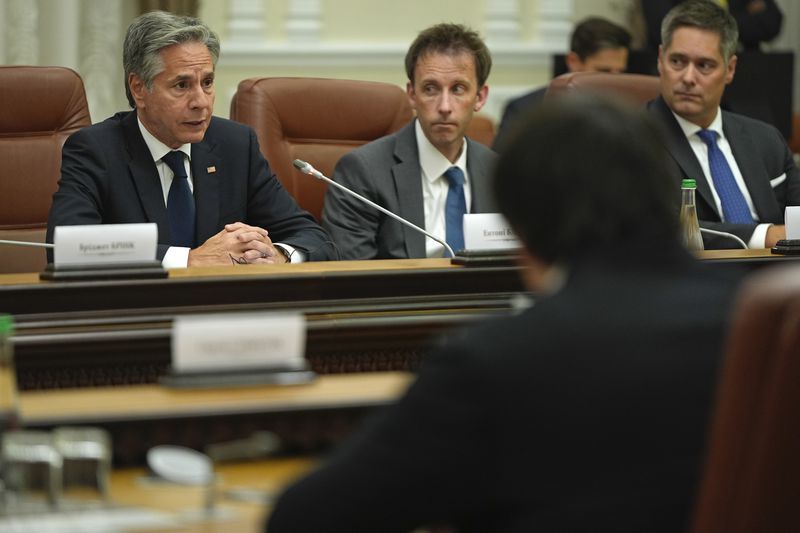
104	244
235	341
792	219
488	231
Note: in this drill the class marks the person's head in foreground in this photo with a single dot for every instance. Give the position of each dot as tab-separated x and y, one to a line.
585	174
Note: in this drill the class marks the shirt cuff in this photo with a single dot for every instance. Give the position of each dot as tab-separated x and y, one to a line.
759	237
295	255
176	257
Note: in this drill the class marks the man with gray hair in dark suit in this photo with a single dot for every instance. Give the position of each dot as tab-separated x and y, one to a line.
745	172
201	179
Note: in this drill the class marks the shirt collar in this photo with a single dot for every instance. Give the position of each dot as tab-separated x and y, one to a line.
433	163
690	128
157	148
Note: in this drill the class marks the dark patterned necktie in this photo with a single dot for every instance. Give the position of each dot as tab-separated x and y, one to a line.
180	202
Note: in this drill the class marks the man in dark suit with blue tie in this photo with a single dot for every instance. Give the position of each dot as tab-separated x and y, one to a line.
200	178
745	172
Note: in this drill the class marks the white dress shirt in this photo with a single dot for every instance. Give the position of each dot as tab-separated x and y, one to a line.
435	187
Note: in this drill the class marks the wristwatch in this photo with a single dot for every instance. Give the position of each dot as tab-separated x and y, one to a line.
284	251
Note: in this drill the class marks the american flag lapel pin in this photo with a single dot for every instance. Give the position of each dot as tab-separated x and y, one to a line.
211	170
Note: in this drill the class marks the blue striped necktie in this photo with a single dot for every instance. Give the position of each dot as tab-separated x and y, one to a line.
454	209
734	206
180	202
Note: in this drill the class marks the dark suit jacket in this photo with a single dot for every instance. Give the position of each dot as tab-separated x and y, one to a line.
387	172
108	177
587	412
515	108
762	156
754	28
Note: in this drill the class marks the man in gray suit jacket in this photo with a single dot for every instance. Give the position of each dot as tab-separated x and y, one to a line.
745	173
425	171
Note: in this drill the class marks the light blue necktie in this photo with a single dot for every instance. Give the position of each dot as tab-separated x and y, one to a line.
180	202
454	209
734	206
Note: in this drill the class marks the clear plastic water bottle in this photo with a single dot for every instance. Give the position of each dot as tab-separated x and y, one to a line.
690	228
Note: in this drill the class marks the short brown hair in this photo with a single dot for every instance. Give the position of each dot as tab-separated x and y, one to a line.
447	38
595	34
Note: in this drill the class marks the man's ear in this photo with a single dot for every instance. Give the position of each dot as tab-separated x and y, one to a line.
574	62
483	94
731	70
412	95
534	272
137	88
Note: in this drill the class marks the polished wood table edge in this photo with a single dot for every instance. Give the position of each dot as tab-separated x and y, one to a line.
316	268
311	268
737	254
149	402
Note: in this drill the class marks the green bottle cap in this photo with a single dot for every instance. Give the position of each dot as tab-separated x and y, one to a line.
6	324
688	184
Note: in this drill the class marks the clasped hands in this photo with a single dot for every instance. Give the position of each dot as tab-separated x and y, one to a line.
237	243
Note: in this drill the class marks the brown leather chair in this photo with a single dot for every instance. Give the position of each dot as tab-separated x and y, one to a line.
316	120
39	108
751	479
794	141
481	129
637	88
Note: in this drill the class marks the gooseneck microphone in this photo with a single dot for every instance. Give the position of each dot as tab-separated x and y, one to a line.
306	168
725	234
28	243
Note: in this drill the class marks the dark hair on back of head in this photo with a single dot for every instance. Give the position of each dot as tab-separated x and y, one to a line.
594	34
585	171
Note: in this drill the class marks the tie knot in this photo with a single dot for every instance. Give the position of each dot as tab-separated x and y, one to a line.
709	137
454	176
174	161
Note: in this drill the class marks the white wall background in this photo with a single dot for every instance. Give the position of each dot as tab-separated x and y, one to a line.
357	39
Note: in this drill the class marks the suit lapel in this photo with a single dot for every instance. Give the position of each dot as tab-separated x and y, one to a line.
479	173
682	153
145	177
408	184
207	173
755	178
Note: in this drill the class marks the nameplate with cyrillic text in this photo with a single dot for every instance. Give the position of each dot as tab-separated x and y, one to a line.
105	244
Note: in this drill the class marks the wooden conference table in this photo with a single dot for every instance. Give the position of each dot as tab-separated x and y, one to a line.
245	493
143	415
308	418
361	315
